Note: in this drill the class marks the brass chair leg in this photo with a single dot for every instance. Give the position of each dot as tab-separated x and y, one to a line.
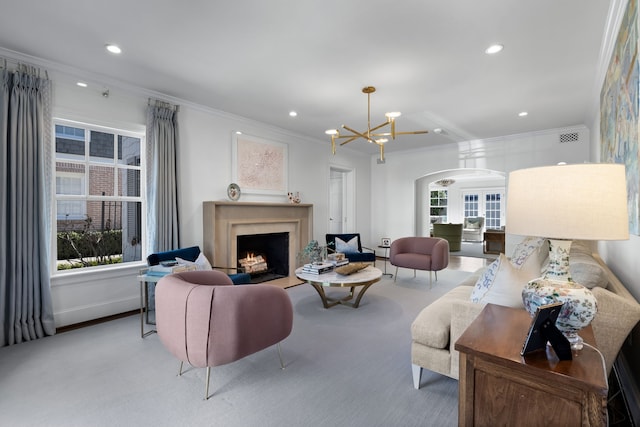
414	274
206	390
396	276
280	356
180	371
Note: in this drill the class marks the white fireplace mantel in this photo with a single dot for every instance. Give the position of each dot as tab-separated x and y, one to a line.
224	221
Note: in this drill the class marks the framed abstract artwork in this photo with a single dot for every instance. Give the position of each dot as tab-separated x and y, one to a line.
260	166
619	110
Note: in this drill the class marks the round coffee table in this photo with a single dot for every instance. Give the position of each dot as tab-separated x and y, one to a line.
363	278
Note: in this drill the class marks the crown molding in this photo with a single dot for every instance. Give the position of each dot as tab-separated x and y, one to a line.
617	9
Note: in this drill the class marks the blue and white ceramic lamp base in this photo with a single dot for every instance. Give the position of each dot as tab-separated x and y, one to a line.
580	305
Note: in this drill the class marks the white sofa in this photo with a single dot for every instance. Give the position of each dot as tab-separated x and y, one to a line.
439	325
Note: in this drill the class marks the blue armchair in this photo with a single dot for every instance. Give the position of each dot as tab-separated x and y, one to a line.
191	254
351	246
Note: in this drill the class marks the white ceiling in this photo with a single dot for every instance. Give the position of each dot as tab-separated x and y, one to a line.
260	59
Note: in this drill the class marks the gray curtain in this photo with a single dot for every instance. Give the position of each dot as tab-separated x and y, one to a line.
26	311
162	177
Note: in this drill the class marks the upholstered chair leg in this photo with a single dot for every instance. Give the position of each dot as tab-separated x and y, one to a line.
417	375
206	389
396	276
280	356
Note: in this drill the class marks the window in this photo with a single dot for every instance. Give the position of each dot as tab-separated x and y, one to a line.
70	183
470	205
486	203
438	206
99	204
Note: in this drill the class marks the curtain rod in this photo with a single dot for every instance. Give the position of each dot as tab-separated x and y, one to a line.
24	67
164	104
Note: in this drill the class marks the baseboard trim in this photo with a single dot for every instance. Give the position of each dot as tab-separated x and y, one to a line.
93	322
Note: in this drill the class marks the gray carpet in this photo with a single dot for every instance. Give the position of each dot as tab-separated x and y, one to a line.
473	249
344	367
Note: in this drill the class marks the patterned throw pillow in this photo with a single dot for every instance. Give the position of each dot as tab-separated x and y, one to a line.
530	246
502	282
350	247
484	282
503	286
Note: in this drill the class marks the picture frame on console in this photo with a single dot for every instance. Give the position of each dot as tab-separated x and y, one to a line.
259	165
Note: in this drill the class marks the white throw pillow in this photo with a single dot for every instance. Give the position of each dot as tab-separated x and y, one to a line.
350	247
201	263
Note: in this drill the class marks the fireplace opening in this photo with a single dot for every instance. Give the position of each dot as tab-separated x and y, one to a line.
264	256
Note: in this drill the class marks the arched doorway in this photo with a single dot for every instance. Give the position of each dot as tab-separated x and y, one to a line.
466	183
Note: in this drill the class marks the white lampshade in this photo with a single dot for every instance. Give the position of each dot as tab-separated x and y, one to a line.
582	201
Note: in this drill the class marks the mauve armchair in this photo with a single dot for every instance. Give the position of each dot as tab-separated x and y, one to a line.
204	320
420	253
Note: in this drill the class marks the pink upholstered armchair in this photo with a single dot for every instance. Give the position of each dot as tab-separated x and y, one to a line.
420	253
204	320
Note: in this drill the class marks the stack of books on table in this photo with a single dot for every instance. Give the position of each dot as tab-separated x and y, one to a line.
338	262
164	269
318	267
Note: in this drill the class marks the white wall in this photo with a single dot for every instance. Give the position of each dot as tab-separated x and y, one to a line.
204	170
394	201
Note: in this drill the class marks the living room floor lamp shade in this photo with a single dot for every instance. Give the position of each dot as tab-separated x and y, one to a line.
565	203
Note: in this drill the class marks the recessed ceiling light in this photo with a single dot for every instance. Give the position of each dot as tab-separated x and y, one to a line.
293	113
81	84
523	113
113	48
494	48
238	132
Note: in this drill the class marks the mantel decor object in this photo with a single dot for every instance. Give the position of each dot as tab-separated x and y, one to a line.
565	203
233	192
294	197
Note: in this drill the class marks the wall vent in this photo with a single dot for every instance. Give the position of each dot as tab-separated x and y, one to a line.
569	137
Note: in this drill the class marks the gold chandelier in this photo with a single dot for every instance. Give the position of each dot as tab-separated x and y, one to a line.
379	138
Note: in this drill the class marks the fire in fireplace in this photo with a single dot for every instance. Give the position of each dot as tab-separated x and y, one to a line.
253	263
264	256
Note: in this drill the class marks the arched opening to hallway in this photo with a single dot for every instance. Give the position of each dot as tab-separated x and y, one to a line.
450	196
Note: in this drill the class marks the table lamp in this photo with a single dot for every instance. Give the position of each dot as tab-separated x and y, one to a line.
564	203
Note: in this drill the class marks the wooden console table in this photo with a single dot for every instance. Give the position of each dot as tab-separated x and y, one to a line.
500	387
493	242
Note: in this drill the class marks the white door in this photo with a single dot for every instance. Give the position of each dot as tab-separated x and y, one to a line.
488	204
341	196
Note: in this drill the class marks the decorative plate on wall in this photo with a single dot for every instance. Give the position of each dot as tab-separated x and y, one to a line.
233	191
